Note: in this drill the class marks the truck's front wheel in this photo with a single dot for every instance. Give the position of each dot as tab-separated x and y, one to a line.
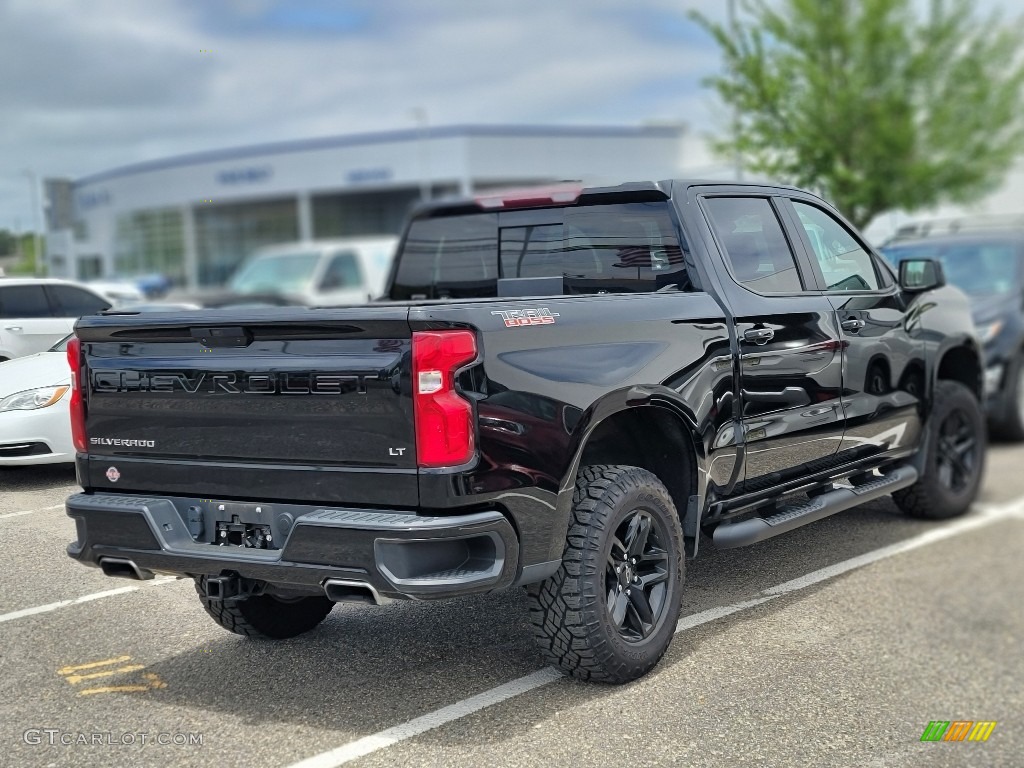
266	615
609	613
955	457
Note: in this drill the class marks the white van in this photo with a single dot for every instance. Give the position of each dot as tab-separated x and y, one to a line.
318	272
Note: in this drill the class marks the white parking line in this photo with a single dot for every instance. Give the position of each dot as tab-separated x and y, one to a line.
982	517
83	599
390	736
431	720
31	511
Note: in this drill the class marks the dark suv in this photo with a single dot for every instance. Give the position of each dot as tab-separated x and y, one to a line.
985	260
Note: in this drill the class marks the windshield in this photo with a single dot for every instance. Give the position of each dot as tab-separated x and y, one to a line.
62	345
977	268
280	273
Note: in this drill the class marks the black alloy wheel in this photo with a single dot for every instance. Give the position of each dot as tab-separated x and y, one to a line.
636	577
953	458
609	612
957	452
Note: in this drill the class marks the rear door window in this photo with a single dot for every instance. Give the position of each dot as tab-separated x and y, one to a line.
24	301
70	301
755	246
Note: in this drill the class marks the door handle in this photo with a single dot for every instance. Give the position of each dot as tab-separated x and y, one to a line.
12	328
790	397
759	335
853	325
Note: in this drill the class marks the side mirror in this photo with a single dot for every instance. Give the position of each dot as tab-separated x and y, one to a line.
917	275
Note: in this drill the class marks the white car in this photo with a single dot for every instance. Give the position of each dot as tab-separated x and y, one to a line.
318	272
35	421
36	313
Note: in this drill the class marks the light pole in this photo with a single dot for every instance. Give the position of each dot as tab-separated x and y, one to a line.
419	114
36	225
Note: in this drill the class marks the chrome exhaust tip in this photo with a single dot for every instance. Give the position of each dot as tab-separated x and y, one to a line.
348	591
124	569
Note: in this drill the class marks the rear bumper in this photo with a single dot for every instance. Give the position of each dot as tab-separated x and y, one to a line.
395	554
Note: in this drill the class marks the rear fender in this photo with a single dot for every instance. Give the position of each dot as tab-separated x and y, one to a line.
647	398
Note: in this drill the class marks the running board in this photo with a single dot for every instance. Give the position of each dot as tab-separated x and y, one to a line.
757	529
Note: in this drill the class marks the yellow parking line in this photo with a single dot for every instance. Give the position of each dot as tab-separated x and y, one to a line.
92	665
154	680
75	679
114	689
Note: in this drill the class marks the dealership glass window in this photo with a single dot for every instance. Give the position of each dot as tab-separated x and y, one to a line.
364	213
90	267
226	234
151	241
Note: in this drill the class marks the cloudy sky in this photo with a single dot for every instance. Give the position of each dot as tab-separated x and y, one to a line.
87	86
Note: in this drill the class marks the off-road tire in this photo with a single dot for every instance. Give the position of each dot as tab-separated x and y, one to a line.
929	498
265	615
569	611
1010	424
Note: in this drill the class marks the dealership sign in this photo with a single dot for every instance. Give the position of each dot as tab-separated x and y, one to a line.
245	175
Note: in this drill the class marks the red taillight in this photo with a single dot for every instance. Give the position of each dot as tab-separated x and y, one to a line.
444	420
77	406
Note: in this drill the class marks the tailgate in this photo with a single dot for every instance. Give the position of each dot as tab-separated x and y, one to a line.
279	404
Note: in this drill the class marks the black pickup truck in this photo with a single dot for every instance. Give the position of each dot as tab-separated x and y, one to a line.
563	389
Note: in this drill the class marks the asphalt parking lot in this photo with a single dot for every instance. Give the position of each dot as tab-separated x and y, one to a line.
835	644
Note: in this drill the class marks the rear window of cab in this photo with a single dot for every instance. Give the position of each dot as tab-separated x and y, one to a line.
616	248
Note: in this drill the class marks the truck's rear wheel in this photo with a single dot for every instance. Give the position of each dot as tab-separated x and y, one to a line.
955	458
266	615
609	613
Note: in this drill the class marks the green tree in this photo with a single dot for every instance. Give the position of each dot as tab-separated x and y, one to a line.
871	104
25	245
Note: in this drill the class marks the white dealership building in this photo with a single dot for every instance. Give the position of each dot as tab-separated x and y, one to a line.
195	217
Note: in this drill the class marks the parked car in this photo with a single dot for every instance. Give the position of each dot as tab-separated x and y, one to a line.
322	272
118	292
35	425
563	390
985	259
154	285
35	313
